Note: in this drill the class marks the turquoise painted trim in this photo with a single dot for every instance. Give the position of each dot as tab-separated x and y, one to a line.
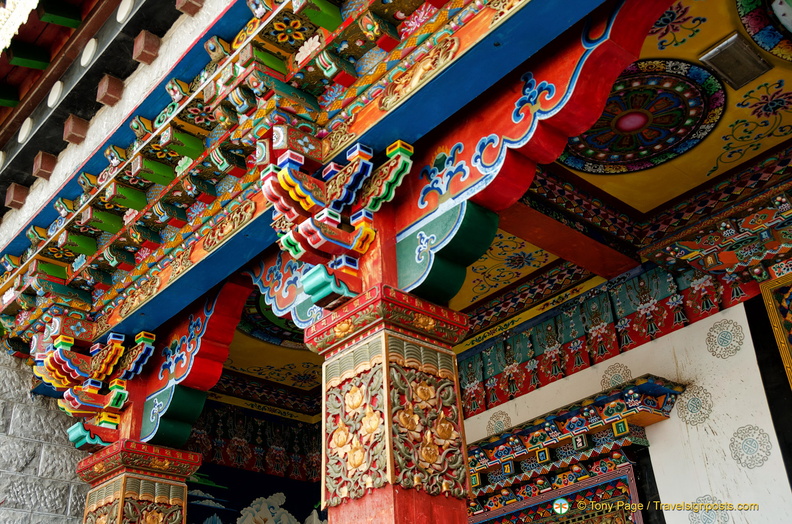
79	436
433	262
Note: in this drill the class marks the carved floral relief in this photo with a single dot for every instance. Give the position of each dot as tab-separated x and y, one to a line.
355	442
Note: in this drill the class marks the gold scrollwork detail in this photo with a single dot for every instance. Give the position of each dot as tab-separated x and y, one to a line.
136	297
160	464
339	137
419	73
424	322
238	217
503	7
181	263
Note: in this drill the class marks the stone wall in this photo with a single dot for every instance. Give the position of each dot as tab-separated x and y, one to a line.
38	483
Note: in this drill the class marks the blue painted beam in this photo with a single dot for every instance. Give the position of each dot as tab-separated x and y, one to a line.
519	38
222	263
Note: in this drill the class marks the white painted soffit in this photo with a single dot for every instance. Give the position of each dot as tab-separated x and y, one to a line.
12	16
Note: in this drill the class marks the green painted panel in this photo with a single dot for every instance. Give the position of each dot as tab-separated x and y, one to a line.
433	259
168	416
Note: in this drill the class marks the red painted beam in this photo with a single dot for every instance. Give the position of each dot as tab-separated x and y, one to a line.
565	242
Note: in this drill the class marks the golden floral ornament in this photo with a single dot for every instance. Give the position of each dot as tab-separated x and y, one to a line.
426	393
424	322
99	467
160	464
340	436
356	456
101	519
354	398
371	422
429	451
153	517
417	480
407	418
344	329
445	430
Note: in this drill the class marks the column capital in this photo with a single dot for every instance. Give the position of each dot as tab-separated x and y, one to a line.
385	307
130	456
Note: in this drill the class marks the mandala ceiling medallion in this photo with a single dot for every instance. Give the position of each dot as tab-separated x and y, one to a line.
657	110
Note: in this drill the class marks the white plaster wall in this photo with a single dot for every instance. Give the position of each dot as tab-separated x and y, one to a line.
719	442
176	43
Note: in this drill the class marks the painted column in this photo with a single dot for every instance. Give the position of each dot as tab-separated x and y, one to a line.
393	442
137	483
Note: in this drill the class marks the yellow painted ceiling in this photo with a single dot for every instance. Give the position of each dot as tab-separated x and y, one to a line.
297	368
508	260
753	120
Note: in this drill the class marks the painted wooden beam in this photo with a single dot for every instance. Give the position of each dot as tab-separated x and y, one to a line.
322	13
189	7
146	47
44	164
103	220
336	68
16	194
126	196
81	244
36	235
183	143
565	242
75	129
253	52
110	90
152	170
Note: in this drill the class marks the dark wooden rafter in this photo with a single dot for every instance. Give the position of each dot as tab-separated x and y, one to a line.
59	13
9	96
27	55
564	241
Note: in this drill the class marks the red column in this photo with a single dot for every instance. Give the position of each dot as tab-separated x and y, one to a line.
392	431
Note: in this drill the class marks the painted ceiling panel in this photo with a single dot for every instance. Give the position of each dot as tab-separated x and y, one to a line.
671	124
298	368
508	260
